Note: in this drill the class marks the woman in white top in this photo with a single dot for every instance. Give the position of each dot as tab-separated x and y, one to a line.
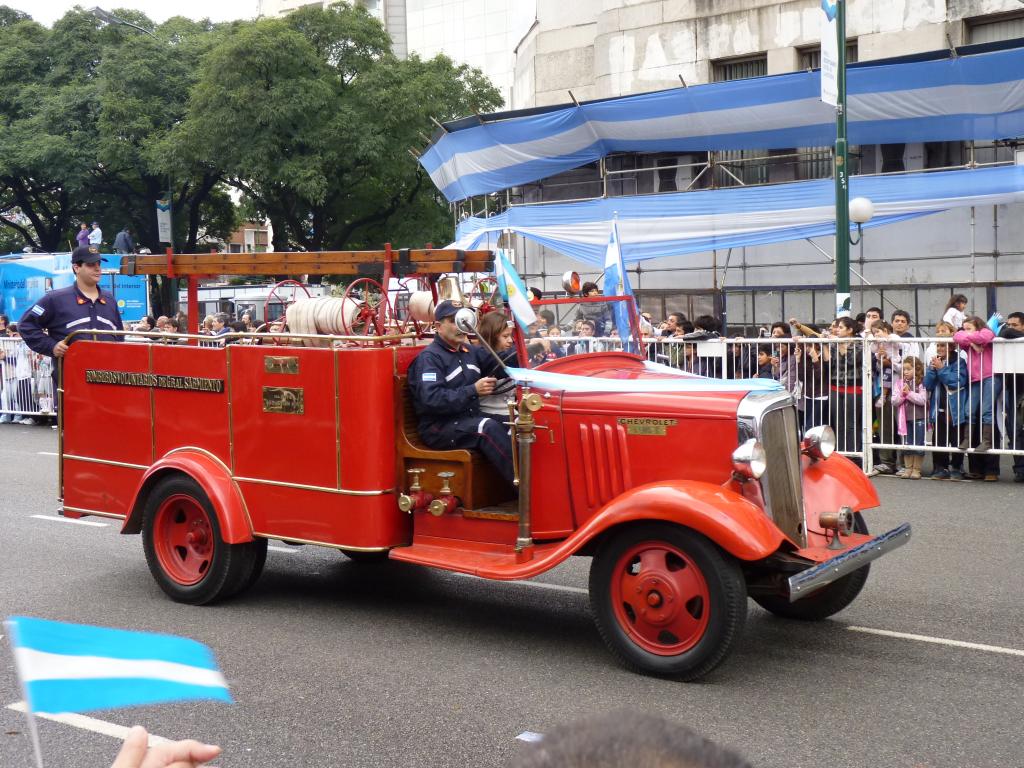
954	314
495	330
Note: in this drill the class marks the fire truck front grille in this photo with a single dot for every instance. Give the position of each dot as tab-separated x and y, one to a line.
781	483
606	464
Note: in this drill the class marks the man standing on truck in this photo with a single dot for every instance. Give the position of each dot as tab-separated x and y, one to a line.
447	381
81	306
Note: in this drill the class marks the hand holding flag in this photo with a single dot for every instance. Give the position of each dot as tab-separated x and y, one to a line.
77	668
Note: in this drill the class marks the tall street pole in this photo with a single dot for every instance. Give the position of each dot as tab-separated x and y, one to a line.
841	174
108	18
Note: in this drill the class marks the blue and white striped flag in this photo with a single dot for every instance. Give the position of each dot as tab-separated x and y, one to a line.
616	283
78	668
513	291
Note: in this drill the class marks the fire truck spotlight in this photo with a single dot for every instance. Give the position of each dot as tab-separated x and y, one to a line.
749	460
819	442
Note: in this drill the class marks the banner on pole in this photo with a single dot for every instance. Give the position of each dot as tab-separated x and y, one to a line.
163	220
829	52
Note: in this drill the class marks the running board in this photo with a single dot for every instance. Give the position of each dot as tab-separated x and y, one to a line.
807	582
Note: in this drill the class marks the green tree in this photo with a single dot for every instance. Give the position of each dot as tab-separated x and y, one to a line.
87	116
331	116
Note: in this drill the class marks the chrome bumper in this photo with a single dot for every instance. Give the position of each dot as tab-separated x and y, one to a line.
806	582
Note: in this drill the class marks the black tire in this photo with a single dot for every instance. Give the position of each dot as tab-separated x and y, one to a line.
720	611
259	561
366	558
224	569
827	601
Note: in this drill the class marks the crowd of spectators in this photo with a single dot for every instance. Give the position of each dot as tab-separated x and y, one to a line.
25	382
942	393
938	393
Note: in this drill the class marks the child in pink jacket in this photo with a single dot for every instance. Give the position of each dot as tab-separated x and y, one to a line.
910	399
976	340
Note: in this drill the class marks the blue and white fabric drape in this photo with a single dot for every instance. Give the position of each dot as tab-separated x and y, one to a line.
654	226
978	97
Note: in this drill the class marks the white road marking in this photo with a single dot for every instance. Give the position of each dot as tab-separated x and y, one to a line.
88	724
537	584
286	550
939	641
60	519
529	736
46	453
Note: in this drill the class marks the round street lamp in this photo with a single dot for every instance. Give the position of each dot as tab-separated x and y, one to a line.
862	210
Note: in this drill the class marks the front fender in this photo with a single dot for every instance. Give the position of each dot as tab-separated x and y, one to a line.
215	480
836	482
737	525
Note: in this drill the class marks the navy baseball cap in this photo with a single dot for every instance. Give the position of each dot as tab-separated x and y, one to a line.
86	254
446	308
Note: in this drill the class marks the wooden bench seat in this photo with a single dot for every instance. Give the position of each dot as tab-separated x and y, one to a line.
476	482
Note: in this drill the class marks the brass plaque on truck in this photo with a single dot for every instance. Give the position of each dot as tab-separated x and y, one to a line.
282	400
280	364
656	427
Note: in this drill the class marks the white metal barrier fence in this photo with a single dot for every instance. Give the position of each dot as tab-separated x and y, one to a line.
26	384
886	399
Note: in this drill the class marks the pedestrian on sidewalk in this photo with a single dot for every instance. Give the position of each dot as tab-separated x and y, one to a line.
976	340
947	383
910	399
82	236
123	243
96	237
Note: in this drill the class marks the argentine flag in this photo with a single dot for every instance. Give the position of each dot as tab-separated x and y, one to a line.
78	668
513	291
616	283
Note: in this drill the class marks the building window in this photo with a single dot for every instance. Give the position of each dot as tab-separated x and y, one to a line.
735	167
990	29
739	69
810	57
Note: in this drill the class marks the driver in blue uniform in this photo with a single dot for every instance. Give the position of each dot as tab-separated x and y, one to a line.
446	381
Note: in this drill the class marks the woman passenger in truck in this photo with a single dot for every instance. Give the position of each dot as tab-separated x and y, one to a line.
494	329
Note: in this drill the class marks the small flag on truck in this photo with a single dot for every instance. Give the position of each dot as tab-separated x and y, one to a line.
513	291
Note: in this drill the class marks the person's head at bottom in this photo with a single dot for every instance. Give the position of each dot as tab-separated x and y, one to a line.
631	739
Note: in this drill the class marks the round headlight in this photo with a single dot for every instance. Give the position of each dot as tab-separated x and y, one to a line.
749	460
819	442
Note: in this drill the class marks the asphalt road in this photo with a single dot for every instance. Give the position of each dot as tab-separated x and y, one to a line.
333	663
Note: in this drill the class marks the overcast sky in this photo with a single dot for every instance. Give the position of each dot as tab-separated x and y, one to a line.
48	11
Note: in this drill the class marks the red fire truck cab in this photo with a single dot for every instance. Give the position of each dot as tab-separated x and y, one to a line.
689	494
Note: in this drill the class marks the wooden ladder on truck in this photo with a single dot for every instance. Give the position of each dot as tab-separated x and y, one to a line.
428	263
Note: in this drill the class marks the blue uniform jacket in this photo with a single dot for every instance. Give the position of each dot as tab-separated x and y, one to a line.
61	312
442	381
954	379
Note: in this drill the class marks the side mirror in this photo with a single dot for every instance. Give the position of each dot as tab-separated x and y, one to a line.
465	320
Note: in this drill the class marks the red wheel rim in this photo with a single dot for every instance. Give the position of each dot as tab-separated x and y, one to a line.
660	598
184	540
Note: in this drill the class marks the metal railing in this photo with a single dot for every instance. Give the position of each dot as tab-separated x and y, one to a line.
879	409
26	382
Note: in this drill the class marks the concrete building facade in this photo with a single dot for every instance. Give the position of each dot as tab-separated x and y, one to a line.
594	49
604	48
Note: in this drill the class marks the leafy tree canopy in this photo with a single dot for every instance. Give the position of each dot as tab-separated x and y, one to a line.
309	118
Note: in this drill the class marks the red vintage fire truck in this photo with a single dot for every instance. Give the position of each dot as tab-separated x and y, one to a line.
690	495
